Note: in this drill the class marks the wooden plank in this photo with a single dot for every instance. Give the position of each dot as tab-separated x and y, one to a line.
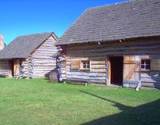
5	69
155	64
75	64
131	68
42	60
97	55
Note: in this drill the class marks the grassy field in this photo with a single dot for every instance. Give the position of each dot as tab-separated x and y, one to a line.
38	102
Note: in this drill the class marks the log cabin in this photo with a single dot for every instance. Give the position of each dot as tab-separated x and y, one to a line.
2	44
30	56
114	45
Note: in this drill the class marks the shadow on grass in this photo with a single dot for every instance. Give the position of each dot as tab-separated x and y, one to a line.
146	114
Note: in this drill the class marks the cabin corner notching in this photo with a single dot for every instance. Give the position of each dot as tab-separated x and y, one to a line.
125	64
33	56
125	70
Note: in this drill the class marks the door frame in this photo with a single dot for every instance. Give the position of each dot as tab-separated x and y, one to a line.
110	70
13	64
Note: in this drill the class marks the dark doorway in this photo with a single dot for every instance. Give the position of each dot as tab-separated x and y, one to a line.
12	66
116	70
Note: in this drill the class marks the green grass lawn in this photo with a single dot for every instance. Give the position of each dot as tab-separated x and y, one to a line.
38	102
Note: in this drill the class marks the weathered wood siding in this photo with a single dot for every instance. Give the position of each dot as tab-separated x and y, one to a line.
155	63
5	68
43	60
98	68
16	67
149	46
38	64
98	54
152	77
26	69
96	74
131	70
133	74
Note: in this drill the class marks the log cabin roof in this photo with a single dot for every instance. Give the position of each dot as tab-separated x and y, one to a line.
23	46
126	20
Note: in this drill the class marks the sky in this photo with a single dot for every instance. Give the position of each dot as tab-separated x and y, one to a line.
22	17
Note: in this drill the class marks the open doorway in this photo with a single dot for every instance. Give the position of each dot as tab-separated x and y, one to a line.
116	68
15	67
12	66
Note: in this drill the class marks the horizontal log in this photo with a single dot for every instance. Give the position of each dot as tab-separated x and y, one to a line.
85	80
136	42
85	73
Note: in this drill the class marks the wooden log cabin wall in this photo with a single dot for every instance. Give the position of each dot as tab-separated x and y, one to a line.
43	60
91	62
4	65
5	68
39	61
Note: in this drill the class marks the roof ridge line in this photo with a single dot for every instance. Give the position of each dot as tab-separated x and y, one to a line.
25	35
115	4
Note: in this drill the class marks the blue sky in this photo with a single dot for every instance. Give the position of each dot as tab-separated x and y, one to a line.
20	17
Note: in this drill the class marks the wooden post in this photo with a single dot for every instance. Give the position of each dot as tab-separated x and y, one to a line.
140	82
108	72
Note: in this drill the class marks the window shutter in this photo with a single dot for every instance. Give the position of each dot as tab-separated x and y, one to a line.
75	64
130	68
155	64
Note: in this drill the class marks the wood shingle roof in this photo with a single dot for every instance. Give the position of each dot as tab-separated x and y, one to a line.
122	21
23	46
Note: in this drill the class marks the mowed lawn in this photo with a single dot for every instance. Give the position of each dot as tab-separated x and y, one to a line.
39	102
